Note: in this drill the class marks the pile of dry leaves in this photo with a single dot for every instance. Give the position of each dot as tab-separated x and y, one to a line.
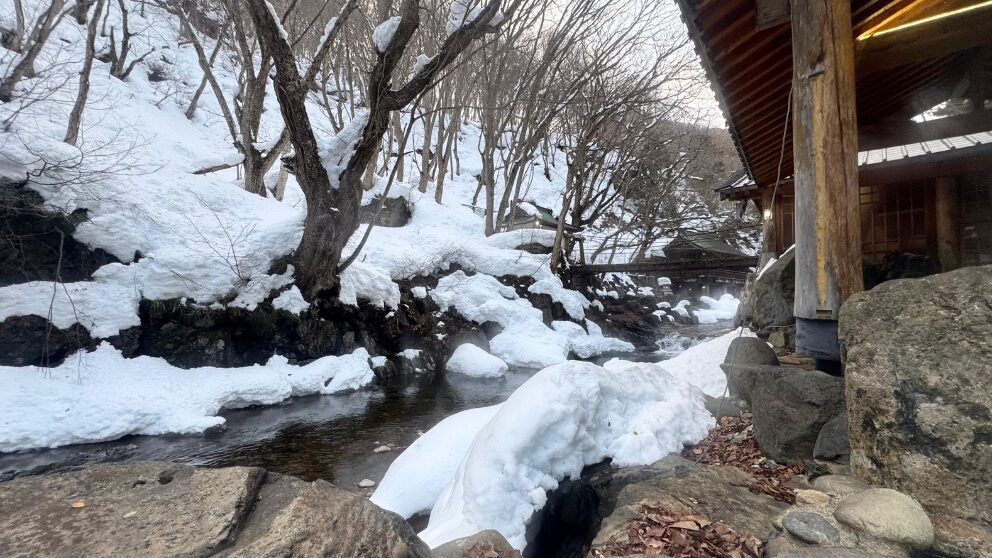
487	550
732	443
659	532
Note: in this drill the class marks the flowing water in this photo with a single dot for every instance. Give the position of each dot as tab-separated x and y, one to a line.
323	437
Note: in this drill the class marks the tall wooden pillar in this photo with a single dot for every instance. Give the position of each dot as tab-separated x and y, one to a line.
825	150
948	227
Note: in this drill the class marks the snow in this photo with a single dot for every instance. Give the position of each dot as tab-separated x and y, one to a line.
100	396
680	308
362	280
723	309
699	365
419	292
418	476
292	301
587	345
563	418
470	360
512	239
382	35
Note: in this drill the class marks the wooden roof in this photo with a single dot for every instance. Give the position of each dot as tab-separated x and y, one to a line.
750	69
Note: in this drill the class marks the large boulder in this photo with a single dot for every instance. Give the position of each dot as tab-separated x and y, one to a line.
165	509
719	493
918	356
767	305
790	406
832	443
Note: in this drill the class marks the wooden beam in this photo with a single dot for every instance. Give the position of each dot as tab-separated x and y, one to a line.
948	227
926	167
877	137
825	149
769	13
932	39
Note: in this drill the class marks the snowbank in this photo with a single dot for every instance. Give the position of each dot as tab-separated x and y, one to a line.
418	476
100	396
473	361
699	365
563	418
723	309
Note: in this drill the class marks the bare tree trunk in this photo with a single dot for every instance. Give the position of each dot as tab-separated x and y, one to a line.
81	8
39	35
76	116
280	191
12	38
203	82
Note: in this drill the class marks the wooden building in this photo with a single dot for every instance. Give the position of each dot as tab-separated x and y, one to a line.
826	102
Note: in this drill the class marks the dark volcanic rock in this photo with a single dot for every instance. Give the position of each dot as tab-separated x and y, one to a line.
395	212
918	355
768	302
36	244
28	341
832	443
790	406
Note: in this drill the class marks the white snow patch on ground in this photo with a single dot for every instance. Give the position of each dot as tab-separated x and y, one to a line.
563	418
470	360
587	345
723	309
418	476
100	396
292	301
512	239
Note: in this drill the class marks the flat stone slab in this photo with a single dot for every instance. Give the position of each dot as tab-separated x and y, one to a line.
134	509
811	528
719	493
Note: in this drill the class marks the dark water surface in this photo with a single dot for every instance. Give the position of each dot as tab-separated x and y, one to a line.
330	437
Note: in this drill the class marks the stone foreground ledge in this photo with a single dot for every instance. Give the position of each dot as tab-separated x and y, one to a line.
166	509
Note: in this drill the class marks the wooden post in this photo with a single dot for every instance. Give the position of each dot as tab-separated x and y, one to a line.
825	150
948	236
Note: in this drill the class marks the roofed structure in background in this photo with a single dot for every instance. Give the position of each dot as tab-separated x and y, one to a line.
864	127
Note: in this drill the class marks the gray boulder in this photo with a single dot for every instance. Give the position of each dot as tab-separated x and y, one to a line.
918	356
888	515
166	509
768	302
832	443
750	351
790	406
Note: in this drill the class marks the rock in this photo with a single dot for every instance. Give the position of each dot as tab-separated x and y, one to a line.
814	497
767	304
297	518
366	483
829	552
719	493
721	407
958	537
166	509
839	485
811	528
181	510
888	515
790	406
918	354
489	538
832	442
750	351
382	449
395	212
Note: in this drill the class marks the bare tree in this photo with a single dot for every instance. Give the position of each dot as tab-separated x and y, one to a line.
11	38
333	201
76	116
40	33
119	66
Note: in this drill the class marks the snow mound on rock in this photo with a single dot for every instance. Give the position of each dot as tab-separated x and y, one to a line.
470	360
564	418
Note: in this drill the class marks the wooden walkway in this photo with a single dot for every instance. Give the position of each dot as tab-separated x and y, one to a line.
734	269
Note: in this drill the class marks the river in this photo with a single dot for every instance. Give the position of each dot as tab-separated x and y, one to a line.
329	437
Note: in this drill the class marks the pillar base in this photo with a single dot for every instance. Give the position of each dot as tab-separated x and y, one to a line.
817	339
